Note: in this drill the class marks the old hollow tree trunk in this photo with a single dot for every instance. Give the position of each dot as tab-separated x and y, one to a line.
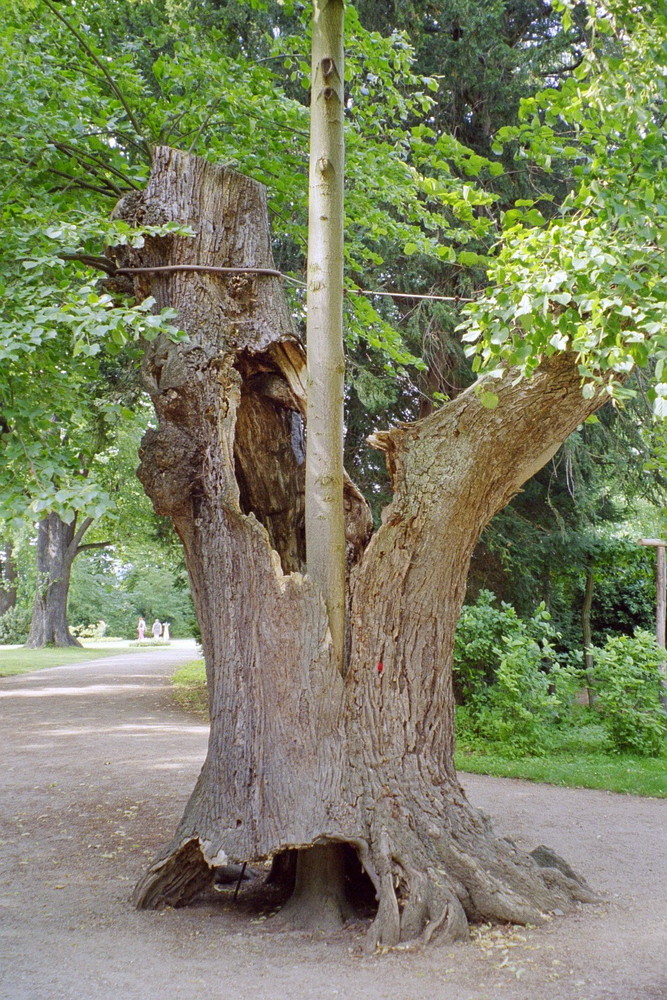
300	755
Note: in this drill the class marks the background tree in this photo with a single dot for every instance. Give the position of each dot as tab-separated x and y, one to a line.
8	578
570	519
59	469
63	383
144	578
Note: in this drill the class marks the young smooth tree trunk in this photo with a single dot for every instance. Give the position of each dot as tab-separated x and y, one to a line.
586	609
8	578
325	387
58	544
325	513
301	756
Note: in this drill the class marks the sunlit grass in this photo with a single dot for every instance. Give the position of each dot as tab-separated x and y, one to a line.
630	775
22	661
190	688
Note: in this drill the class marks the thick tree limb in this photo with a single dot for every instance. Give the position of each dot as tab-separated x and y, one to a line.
93	545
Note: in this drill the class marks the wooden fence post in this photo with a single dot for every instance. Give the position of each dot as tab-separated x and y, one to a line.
659	545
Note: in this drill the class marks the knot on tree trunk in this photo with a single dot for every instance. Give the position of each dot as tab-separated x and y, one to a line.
170	469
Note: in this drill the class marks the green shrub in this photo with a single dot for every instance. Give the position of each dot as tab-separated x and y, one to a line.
626	681
517	711
478	643
519	698
506	675
15	625
92	631
483	633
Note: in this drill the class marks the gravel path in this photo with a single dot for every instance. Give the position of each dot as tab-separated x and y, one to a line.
98	764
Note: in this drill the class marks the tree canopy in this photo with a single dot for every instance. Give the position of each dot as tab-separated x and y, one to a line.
89	87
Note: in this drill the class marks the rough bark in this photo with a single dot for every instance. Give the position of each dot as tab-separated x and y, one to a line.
300	756
57	546
8	579
451	472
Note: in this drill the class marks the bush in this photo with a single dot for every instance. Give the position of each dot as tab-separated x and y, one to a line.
91	631
627	683
482	636
15	625
519	698
516	712
478	644
505	672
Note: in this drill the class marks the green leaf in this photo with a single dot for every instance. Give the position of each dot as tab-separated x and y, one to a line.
488	399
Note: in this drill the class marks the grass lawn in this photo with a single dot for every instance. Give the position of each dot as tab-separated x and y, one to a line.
631	775
189	683
22	661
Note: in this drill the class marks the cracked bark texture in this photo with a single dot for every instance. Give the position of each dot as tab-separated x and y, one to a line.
298	754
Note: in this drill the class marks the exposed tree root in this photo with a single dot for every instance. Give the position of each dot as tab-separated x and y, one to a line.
426	890
432	883
174	880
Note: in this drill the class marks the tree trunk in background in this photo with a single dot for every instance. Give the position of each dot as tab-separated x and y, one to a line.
586	609
8	579
299	755
57	547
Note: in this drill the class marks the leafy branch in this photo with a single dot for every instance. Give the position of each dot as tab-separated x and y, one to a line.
113	86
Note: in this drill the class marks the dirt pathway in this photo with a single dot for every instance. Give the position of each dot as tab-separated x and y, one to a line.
97	764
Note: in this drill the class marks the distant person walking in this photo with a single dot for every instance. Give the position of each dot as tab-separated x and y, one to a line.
156	629
141	628
165	631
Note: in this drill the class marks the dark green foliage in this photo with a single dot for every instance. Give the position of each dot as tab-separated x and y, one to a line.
487	55
15	625
566	523
624	598
627	684
520	698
